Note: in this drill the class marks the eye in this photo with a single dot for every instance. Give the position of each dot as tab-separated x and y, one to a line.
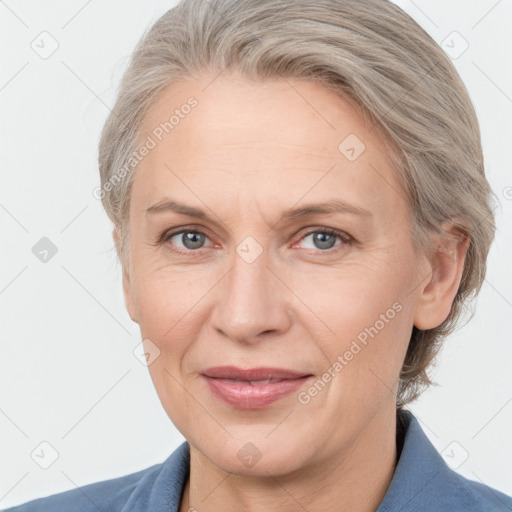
324	239
191	240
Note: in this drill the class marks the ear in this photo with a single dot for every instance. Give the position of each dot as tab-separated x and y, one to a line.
445	267
127	288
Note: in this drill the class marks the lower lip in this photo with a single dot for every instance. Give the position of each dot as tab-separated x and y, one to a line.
247	396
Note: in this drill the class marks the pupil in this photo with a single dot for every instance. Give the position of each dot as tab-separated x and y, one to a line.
320	239
191	241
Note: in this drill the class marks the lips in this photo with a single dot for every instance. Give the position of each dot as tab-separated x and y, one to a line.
253	388
252	374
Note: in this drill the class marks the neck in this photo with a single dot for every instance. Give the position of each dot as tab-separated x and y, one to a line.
354	478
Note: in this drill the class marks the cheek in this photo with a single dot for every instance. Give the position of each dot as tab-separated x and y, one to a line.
362	320
177	404
165	299
168	315
374	371
344	302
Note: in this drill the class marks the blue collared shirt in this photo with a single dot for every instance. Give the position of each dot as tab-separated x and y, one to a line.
422	482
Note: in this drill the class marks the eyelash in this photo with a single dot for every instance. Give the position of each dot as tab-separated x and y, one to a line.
344	237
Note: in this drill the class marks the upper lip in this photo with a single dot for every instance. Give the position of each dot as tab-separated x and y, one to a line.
252	374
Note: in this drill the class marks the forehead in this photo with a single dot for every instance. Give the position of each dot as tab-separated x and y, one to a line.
257	139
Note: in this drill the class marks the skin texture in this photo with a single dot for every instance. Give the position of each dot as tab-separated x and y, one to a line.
246	154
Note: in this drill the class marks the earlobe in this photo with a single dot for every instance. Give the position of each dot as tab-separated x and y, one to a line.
436	297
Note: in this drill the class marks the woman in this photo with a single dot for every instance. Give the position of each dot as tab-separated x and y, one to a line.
301	212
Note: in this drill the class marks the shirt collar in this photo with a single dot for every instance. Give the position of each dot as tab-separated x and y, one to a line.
419	466
422	481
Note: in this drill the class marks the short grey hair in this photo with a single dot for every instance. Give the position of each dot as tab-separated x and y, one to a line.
373	54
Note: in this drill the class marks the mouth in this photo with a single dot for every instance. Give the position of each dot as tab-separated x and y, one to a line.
254	388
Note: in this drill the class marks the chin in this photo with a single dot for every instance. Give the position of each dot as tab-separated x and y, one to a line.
261	457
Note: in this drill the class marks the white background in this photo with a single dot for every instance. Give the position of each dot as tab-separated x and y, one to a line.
67	372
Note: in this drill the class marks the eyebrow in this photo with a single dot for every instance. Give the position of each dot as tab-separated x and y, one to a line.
326	207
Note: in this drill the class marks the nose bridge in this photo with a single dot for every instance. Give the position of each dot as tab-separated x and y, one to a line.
251	302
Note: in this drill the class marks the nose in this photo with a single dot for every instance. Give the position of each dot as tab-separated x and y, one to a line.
252	302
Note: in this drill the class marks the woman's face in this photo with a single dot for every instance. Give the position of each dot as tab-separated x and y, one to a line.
249	283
